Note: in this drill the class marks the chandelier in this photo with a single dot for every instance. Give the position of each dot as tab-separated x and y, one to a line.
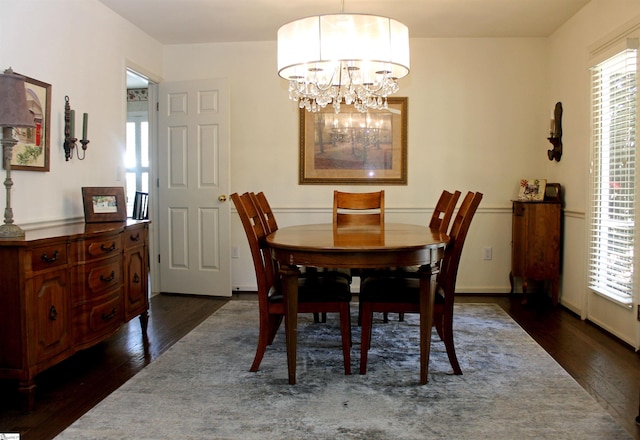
352	58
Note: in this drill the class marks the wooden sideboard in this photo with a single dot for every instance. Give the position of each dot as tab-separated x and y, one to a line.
67	288
536	242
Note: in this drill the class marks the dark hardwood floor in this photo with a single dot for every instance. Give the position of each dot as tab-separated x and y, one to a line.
605	367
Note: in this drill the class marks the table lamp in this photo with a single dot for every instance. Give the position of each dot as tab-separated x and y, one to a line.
14	112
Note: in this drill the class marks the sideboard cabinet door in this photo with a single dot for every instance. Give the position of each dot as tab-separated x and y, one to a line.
136	272
52	317
536	242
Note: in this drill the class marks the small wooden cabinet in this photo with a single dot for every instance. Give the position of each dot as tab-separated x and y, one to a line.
536	242
67	288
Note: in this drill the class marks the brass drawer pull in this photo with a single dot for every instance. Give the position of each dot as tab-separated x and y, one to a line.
109	316
103	248
53	313
46	259
136	238
109	278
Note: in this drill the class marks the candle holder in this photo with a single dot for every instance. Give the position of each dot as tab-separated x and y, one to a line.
555	137
69	133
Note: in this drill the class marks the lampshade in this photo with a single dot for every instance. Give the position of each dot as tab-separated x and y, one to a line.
352	57
14	111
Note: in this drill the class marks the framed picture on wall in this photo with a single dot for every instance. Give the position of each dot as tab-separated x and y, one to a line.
31	153
104	204
351	147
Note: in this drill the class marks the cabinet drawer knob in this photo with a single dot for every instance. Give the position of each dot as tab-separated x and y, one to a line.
135	238
47	259
136	278
109	278
111	248
110	316
53	313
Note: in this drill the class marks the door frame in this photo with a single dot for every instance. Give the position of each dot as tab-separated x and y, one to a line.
154	235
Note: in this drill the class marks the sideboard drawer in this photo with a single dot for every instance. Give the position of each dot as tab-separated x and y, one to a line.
104	276
97	279
135	236
102	247
47	257
97	319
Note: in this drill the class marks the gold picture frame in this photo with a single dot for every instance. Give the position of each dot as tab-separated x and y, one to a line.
31	153
351	147
104	204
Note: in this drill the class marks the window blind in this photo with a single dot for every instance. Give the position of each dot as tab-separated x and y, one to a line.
613	177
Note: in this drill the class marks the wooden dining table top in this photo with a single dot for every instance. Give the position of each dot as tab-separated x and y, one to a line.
356	246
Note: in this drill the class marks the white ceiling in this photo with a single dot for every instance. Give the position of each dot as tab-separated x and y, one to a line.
211	21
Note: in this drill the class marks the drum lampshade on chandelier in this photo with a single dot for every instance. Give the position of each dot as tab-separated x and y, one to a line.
332	58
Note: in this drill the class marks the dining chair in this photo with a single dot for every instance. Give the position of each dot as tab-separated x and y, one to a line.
440	220
357	209
315	294
401	294
140	206
269	219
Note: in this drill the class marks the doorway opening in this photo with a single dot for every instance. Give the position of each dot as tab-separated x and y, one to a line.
137	153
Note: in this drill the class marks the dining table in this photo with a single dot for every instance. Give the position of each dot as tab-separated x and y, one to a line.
357	247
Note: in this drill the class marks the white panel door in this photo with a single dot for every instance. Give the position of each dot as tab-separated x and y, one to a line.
193	186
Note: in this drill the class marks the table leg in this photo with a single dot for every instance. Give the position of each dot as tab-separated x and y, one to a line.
290	274
427	296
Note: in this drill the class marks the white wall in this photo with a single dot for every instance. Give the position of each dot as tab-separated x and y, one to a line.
477	121
81	48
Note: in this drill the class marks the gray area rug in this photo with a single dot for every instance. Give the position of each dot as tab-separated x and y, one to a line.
201	388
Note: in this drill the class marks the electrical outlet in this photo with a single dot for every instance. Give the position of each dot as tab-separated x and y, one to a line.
487	253
235	252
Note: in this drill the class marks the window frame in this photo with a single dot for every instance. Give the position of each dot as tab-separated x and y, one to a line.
602	274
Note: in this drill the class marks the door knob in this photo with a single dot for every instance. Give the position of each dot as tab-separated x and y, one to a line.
222	198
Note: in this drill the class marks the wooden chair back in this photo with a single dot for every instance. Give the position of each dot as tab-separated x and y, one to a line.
457	236
443	212
357	209
256	233
261	202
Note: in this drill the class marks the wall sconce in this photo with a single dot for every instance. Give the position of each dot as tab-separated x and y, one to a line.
69	132
555	134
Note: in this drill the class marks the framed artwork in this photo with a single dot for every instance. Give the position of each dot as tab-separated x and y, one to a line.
104	204
31	153
532	189
354	148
